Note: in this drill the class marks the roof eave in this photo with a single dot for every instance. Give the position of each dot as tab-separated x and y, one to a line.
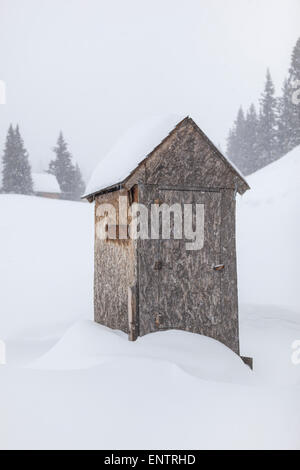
91	196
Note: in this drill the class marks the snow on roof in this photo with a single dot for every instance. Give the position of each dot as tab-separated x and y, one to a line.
45	183
133	147
130	150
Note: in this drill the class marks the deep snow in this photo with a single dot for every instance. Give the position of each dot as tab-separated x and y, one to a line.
142	400
46	270
268	235
70	383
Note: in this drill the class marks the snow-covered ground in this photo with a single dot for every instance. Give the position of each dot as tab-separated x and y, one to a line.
268	235
169	390
46	258
70	383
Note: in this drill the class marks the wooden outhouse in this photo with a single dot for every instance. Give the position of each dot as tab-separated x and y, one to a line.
151	284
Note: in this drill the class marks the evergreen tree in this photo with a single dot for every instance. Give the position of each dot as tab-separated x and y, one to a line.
16	167
236	141
285	112
230	145
267	136
68	176
79	186
61	167
251	162
26	184
8	162
254	142
294	79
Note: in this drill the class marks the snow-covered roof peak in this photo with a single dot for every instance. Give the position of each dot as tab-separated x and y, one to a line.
135	144
133	147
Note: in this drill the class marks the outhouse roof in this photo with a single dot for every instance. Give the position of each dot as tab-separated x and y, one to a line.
134	147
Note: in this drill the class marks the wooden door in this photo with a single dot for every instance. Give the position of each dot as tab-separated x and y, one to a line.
180	288
189	286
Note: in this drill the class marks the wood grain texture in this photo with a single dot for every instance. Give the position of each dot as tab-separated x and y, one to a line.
115	271
148	281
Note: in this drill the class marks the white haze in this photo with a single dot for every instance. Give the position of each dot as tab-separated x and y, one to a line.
93	67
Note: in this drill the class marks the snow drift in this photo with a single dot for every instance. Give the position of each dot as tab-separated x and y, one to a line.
268	234
87	344
46	273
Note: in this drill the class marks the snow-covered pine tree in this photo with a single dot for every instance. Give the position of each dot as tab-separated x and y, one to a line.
236	141
26	183
251	160
78	183
16	167
62	168
8	162
293	81
231	145
68	175
284	131
267	135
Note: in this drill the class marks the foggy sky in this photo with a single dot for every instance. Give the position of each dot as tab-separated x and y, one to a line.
92	68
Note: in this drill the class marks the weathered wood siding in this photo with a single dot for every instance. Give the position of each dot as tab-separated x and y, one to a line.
228	331
187	293
115	270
